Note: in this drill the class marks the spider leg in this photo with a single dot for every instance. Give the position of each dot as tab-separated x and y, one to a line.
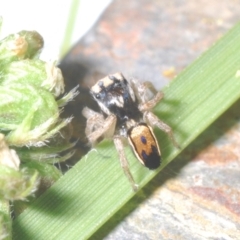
141	89
153	120
123	161
149	85
88	113
106	130
147	106
97	126
94	120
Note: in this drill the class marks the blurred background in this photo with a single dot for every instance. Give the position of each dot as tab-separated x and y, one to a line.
53	20
196	196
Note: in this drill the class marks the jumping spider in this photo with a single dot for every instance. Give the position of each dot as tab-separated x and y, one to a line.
126	114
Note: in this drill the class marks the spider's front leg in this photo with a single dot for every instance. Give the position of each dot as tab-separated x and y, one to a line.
153	121
142	91
94	120
97	126
118	141
149	105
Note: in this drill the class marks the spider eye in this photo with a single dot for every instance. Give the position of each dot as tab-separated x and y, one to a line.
97	96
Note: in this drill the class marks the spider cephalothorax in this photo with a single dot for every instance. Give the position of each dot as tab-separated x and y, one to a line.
115	96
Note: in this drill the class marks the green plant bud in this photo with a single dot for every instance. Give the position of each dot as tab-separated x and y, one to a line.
16	184
4	228
30	113
47	154
36	72
8	157
25	44
35	43
19	100
5	220
48	174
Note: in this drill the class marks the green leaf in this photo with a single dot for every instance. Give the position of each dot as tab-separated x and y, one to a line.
96	187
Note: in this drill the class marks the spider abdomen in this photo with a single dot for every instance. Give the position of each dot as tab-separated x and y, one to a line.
145	145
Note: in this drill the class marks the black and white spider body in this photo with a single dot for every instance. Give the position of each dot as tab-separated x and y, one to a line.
115	96
126	114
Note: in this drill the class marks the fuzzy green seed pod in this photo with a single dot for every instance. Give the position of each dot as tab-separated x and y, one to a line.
14	183
5	226
22	45
29	115
35	72
32	134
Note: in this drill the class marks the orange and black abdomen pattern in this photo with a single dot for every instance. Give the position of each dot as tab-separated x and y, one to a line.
145	145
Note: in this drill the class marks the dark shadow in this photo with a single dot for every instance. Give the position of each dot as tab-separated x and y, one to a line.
75	74
50	204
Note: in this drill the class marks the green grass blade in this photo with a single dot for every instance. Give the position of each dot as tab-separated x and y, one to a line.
66	43
95	188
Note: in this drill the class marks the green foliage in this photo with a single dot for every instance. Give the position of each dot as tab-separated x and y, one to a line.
29	118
